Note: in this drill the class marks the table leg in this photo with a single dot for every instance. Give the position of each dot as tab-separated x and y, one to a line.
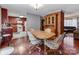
45	52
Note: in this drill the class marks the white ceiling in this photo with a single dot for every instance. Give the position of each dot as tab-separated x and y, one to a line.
23	9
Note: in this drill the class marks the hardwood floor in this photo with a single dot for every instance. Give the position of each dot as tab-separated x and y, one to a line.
70	45
22	46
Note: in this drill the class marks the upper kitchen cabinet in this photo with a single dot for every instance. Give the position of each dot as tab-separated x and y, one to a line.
17	23
4	15
12	20
0	19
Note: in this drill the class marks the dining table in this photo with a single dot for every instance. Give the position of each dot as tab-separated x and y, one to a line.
42	35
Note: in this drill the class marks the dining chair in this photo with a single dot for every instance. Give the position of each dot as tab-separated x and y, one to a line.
35	42
32	39
54	46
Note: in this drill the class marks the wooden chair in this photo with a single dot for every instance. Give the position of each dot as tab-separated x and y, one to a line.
52	46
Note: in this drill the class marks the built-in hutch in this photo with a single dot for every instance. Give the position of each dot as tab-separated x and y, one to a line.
54	21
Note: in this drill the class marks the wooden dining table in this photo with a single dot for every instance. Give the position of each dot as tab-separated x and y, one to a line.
42	35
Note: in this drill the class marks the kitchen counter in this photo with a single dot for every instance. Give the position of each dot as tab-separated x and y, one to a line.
5	35
6	27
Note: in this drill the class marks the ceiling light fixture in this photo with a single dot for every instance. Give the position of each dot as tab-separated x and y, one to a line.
21	16
36	6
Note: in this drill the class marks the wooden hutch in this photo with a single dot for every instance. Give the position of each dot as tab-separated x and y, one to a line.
54	21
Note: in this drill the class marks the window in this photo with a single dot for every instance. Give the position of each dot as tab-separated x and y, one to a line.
70	22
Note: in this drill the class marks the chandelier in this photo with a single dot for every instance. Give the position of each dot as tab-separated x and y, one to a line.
36	6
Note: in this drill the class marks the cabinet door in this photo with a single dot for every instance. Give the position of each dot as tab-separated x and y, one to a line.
53	19
4	15
0	19
45	21
12	20
53	23
48	20
14	27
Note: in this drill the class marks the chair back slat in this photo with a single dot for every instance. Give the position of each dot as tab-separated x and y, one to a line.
56	43
32	39
30	35
61	38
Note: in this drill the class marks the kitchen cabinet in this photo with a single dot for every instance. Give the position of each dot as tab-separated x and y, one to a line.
18	24
7	34
4	15
0	19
